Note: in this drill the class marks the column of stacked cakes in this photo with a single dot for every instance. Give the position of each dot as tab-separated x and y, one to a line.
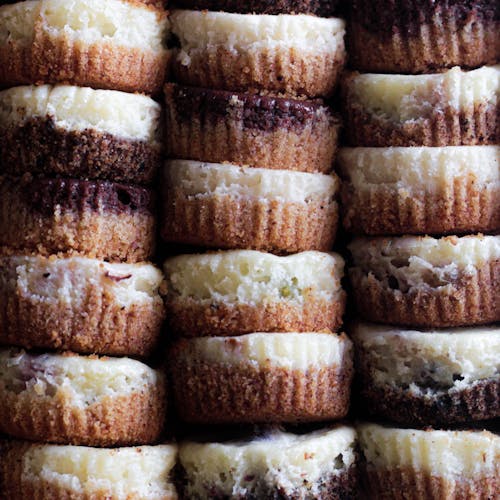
250	175
422	196
77	151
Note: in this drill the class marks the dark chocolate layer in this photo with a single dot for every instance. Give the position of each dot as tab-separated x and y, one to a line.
46	195
264	113
340	486
479	401
407	16
323	8
38	146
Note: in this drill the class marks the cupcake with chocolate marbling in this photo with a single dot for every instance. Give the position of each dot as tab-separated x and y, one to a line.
110	44
45	472
408	36
81	305
321	464
230	206
99	219
243	291
429	464
71	399
428	377
256	130
292	54
421	190
452	108
322	8
262	377
79	132
425	281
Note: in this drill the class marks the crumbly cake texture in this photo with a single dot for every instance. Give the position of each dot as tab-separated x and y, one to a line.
97	219
48	412
256	130
46	472
323	8
210	392
391	191
60	50
229	211
39	147
318	464
449	109
81	305
431	377
291	54
409	289
420	37
429	464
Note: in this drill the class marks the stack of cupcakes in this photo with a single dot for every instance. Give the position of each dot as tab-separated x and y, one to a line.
78	149
422	182
251	145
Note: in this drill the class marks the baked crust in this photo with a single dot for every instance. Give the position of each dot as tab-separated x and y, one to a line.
479	401
97	219
323	8
215	393
408	484
233	222
39	147
472	300
207	125
445	126
461	206
421	37
98	325
60	59
126	420
340	486
290	71
191	318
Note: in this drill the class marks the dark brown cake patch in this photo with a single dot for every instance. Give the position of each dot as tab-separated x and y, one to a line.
39	147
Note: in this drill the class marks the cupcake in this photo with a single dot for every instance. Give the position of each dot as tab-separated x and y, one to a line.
262	377
404	36
428	377
244	291
109	44
321	464
421	190
78	304
323	8
452	108
429	464
79	132
45	472
293	54
100	219
80	400
230	206
256	130
429	282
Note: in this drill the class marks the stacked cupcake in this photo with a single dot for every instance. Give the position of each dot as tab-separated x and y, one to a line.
252	143
78	149
422	182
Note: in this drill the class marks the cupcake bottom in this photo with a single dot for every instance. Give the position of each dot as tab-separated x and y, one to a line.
479	401
461	207
258	223
194	318
410	484
439	43
49	216
471	299
289	70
